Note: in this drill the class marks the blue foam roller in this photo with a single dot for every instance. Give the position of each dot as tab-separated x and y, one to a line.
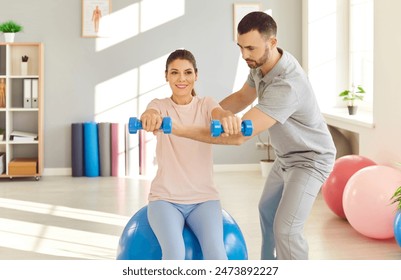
91	149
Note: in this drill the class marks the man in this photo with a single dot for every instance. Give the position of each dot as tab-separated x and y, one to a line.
288	109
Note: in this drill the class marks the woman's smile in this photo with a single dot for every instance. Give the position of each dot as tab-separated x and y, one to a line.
181	86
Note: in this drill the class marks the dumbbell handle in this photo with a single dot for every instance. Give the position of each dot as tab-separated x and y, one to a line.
216	129
135	124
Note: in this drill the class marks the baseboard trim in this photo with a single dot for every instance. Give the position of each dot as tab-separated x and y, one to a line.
57	172
236	167
216	168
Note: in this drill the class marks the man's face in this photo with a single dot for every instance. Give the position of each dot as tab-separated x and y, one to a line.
256	49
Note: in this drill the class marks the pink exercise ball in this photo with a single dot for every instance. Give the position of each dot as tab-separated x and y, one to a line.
367	201
333	187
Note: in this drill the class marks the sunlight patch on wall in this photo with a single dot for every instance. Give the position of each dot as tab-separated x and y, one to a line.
118	27
240	78
128	94
137	18
116	99
152	81
155	12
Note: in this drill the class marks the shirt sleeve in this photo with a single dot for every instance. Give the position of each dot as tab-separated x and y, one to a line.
279	101
210	104
155	104
250	80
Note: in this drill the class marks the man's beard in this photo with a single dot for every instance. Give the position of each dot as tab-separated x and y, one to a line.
256	64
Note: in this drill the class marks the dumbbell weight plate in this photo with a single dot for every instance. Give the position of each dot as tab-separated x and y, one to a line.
215	128
134	125
247	127
167	125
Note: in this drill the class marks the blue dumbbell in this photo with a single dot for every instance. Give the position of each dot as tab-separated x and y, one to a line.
135	124
216	129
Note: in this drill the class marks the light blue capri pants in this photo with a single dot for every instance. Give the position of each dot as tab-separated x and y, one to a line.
205	219
284	207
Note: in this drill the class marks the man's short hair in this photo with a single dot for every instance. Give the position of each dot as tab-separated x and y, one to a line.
259	21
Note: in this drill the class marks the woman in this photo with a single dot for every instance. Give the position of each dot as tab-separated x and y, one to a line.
183	190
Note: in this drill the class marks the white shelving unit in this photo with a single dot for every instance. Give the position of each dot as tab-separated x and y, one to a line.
16	116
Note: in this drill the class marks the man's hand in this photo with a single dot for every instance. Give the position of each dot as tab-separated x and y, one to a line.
151	120
231	123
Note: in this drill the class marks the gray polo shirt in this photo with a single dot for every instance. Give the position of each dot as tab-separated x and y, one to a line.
300	137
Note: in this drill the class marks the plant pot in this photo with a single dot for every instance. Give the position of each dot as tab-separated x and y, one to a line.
266	166
24	68
352	110
9	37
397	227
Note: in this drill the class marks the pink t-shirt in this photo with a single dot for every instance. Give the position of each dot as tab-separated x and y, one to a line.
185	166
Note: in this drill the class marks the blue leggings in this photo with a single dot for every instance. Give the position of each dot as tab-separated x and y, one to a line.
284	207
205	219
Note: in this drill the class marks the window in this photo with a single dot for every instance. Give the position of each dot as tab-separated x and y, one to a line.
361	46
338	48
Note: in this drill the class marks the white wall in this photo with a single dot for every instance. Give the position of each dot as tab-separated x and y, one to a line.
383	142
75	69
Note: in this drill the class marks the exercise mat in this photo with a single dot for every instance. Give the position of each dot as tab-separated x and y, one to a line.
105	149
91	149
77	150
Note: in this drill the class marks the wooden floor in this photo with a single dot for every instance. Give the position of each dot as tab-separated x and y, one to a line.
82	218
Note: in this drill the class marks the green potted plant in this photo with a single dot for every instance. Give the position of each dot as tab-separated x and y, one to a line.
351	96
1	134
9	28
396	198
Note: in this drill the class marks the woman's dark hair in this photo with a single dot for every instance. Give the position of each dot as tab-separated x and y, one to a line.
259	21
185	55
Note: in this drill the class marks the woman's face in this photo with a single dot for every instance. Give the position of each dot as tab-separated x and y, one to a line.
181	77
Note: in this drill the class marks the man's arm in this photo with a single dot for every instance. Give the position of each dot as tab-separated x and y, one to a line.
239	100
232	105
260	122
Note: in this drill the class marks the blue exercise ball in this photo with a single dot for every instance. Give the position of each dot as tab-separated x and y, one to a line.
138	242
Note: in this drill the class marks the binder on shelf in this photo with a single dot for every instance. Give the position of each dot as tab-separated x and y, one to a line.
2	163
22	136
34	97
27	93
